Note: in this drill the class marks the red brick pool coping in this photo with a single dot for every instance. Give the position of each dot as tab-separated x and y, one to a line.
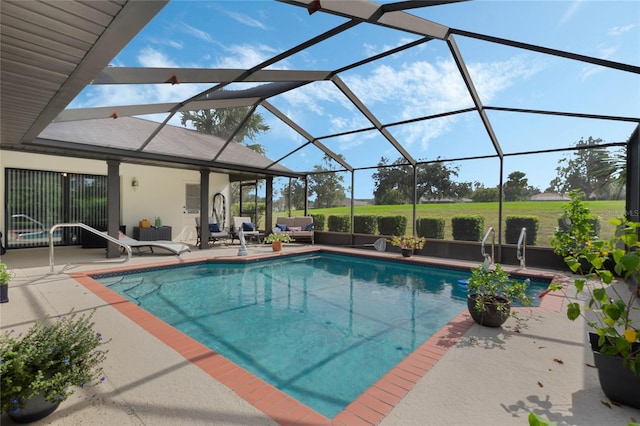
368	409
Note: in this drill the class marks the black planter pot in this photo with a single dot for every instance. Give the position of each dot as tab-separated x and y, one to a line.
407	252
37	408
617	381
4	293
491	316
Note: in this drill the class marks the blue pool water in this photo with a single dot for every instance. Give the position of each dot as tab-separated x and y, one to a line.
320	327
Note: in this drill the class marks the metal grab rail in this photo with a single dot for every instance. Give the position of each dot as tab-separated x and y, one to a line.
522	244
90	229
493	243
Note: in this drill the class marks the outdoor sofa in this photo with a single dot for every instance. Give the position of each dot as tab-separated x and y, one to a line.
298	228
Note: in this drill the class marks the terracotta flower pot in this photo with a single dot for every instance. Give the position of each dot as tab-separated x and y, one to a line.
276	245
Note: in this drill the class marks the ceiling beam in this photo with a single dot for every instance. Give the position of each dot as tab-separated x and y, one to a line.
139	75
133	16
466	77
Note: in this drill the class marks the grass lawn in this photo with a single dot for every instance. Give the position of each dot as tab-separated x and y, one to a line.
548	213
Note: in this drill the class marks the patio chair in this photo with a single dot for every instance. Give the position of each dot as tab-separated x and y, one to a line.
215	233
249	229
173	247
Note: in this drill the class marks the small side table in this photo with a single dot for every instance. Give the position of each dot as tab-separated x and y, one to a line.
162	233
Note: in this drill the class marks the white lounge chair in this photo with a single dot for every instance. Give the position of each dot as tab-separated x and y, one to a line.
173	247
213	236
238	222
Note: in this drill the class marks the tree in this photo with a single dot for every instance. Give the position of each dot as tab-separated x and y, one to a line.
223	122
485	195
517	187
298	195
580	171
326	185
394	183
615	168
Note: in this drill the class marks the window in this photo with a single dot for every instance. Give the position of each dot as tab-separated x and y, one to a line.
37	199
192	201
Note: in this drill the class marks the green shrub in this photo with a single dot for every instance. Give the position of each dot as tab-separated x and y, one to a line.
467	227
430	227
576	227
318	221
564	225
339	223
365	225
392	225
514	225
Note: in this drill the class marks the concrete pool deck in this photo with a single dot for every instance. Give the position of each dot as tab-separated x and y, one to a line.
465	375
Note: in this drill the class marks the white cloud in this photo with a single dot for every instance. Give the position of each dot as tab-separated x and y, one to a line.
243	56
174	44
571	10
616	31
193	31
245	20
422	88
152	58
589	70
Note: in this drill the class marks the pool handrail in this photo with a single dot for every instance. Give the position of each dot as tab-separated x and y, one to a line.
522	244
493	243
90	229
28	234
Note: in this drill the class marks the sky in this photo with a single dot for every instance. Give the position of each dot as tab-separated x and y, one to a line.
420	81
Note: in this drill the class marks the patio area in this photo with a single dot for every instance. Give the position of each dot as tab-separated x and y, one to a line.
478	376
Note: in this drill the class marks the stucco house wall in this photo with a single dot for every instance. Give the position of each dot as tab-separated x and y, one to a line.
160	191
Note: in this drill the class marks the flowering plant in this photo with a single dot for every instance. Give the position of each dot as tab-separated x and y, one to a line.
408	242
609	310
49	359
278	236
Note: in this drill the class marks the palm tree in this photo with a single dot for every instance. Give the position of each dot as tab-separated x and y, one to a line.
224	122
613	167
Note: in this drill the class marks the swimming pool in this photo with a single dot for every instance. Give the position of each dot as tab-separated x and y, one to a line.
320	327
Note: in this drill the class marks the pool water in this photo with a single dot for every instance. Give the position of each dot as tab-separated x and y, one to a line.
320	327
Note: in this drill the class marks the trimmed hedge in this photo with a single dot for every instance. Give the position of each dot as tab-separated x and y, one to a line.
430	227
467	227
514	225
318	222
339	223
564	225
392	225
365	225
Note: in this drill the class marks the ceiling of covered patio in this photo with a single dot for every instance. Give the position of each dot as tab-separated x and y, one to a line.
59	59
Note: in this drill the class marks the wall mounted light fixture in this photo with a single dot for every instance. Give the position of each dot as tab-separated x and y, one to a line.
134	182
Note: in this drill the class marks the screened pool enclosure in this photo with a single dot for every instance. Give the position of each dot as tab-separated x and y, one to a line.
339	107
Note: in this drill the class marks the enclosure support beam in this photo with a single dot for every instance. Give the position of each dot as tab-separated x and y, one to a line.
113	206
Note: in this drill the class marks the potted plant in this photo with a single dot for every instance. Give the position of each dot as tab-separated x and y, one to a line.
491	293
276	239
41	367
408	243
611	308
5	276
